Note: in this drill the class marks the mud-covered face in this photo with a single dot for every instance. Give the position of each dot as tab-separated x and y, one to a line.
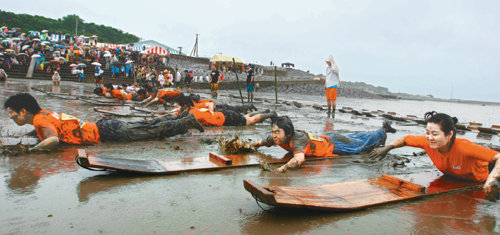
437	138
20	118
278	134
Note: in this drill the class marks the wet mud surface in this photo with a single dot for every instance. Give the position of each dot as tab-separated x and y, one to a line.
49	193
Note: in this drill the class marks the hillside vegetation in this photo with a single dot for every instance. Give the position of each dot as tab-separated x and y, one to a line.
65	25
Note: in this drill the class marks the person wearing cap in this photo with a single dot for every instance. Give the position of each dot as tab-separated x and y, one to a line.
332	82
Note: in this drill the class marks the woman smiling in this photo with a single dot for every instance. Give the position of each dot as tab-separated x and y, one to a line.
453	156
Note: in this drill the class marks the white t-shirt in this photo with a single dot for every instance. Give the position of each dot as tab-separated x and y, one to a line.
161	79
332	76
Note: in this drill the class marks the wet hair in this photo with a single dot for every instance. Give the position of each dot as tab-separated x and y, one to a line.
22	101
109	86
286	124
194	97
182	100
142	92
446	123
98	91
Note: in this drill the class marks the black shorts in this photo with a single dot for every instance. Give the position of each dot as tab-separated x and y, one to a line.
234	118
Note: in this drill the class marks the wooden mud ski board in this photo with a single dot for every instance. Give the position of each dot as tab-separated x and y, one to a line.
359	194
173	166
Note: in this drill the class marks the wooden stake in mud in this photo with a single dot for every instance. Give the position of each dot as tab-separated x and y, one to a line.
276	83
238	81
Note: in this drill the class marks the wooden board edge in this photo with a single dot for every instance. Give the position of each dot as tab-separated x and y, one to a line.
82	157
259	192
224	160
403	183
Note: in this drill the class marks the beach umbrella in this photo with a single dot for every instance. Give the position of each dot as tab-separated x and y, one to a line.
25	47
36	56
7	40
16	39
45	31
9	50
22	54
96	63
129	62
82	65
36	39
73	65
107	55
1	54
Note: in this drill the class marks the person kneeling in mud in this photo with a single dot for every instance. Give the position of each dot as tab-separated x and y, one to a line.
53	128
303	143
223	117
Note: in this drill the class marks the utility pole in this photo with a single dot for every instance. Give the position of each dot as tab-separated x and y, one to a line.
194	52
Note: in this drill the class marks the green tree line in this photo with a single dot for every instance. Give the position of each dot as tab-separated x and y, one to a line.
65	25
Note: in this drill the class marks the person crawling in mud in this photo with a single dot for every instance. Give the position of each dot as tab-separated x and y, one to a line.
225	117
453	156
210	105
53	128
303	143
162	96
121	94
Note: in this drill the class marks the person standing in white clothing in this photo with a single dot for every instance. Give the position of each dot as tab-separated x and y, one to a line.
332	82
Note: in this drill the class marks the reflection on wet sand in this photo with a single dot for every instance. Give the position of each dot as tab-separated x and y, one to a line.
106	182
453	213
25	171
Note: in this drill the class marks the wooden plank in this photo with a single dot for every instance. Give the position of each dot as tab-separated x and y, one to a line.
263	194
404	183
357	194
222	159
172	166
487	130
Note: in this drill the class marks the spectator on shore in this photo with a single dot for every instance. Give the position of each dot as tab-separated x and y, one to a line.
3	75
250	83
214	81
56	78
332	83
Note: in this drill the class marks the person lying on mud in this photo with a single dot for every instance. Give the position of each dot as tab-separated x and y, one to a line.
210	105
161	95
121	94
303	143
453	156
53	128
222	117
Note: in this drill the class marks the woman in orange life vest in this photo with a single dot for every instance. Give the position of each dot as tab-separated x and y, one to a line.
162	95
453	156
221	118
302	143
53	128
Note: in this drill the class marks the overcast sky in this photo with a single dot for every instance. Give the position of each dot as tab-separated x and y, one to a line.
419	47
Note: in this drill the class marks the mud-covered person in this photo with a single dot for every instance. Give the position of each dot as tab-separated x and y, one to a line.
453	156
53	128
302	143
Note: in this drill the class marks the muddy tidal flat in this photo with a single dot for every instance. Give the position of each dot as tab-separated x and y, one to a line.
47	193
